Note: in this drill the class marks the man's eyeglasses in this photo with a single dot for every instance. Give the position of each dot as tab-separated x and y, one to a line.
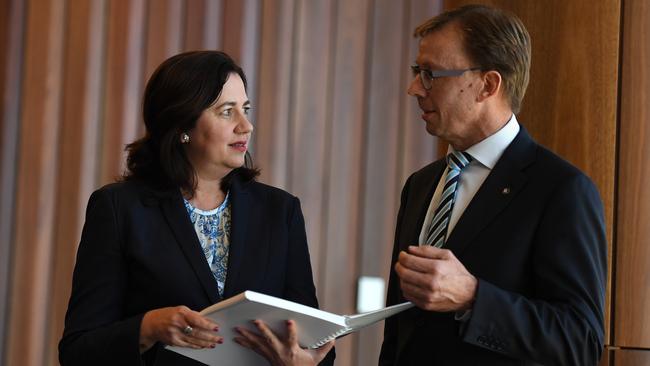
427	76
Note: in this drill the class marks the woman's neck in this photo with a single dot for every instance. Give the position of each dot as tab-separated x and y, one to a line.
207	195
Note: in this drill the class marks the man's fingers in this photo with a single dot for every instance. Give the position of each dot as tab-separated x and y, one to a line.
427	251
417	278
416	263
424	299
419	292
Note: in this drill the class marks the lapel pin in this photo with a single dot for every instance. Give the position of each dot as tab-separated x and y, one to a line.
506	190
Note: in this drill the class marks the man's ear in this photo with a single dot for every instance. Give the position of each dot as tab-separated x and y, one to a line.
491	85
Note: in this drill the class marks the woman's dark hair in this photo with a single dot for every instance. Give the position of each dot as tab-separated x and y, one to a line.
177	93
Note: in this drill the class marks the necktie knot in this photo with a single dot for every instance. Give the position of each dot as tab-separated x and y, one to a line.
457	160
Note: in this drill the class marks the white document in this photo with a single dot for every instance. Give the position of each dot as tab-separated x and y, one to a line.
315	327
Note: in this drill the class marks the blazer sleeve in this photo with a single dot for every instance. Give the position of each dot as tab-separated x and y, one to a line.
560	322
299	285
96	331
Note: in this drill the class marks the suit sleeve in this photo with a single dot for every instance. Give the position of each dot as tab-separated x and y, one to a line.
389	345
560	322
299	279
96	332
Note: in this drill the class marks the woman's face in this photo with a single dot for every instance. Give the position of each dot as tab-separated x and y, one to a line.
220	138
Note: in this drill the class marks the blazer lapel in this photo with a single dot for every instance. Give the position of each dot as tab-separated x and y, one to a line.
418	200
179	221
243	214
500	187
422	193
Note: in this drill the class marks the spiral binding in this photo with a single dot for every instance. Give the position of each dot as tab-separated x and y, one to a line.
329	338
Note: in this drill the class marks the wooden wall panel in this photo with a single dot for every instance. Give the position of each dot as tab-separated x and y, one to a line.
164	35
417	147
251	43
571	102
274	104
203	30
232	20
123	82
5	33
35	201
78	150
309	118
606	358
343	165
165	24
628	357
212	32
632	318
195	24
11	41
380	189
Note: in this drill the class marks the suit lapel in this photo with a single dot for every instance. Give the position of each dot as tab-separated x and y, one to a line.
418	200
420	197
243	218
497	191
179	221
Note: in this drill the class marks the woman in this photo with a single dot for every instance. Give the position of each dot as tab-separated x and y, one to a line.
187	227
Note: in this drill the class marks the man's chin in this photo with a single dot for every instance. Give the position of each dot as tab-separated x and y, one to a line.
431	128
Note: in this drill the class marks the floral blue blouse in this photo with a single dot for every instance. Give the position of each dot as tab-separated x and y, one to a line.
213	230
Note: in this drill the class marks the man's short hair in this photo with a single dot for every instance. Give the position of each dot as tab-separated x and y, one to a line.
495	40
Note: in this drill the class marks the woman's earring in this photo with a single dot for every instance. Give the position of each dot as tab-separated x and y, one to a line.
185	138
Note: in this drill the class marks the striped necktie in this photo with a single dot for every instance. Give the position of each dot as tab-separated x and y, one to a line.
437	232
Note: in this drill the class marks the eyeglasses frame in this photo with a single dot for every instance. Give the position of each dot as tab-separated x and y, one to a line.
430	75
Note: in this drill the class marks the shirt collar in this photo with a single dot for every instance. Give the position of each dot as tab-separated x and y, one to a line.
489	150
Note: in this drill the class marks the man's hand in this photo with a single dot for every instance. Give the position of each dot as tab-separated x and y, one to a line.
434	279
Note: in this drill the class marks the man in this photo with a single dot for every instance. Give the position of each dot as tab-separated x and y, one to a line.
502	250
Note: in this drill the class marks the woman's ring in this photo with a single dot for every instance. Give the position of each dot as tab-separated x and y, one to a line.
188	330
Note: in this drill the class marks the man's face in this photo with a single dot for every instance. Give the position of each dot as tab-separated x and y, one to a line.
450	107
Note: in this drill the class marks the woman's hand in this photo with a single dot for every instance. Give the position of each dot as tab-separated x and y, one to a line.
178	326
281	352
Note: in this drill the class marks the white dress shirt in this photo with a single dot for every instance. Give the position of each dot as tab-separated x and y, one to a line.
486	154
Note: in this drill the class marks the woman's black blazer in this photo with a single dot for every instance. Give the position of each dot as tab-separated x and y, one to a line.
139	252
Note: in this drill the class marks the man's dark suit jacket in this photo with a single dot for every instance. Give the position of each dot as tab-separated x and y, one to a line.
139	252
534	236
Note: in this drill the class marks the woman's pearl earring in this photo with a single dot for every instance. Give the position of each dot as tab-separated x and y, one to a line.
185	138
